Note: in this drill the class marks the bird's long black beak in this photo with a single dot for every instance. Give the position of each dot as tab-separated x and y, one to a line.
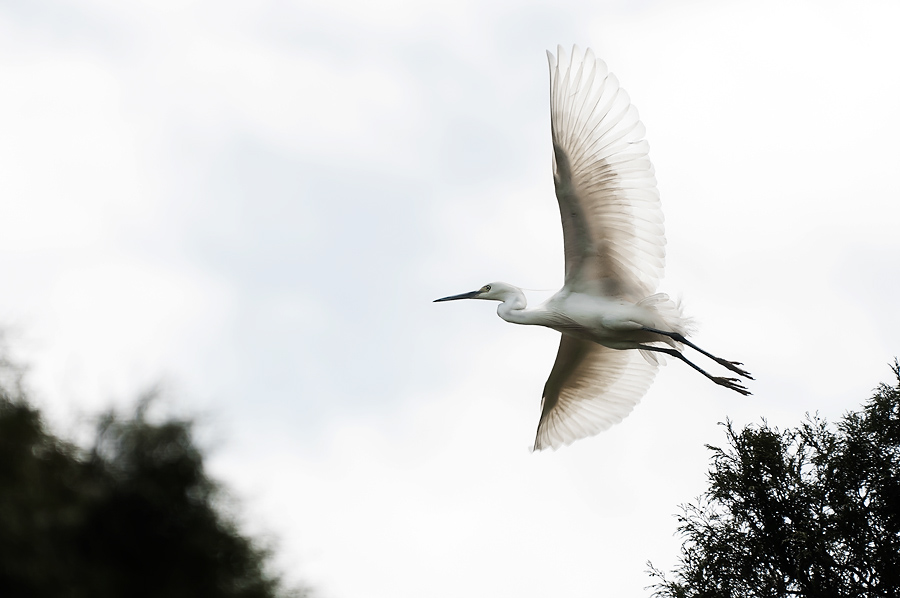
469	295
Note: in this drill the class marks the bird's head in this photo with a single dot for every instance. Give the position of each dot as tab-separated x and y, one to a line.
495	291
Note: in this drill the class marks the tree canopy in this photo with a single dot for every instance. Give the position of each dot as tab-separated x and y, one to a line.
133	515
809	511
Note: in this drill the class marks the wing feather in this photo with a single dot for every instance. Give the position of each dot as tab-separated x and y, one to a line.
590	388
606	187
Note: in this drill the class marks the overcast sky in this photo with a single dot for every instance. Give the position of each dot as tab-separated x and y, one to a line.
257	202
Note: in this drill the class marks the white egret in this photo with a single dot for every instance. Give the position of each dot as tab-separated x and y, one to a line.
613	323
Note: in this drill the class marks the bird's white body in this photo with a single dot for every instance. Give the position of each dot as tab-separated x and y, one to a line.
609	321
613	322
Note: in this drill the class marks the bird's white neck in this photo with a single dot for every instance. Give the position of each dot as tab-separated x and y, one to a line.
513	308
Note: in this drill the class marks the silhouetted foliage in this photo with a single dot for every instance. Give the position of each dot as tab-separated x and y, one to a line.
802	512
135	515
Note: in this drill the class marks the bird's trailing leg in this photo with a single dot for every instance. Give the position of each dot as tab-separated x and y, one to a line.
732	383
731	365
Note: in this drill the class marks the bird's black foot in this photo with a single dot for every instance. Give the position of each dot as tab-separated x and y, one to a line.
732	383
733	366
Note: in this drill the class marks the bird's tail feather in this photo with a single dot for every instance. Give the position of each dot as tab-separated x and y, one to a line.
672	318
671	312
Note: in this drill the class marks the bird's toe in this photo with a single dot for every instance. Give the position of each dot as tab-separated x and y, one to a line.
733	384
734	367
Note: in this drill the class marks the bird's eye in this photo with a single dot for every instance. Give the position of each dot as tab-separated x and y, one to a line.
486	288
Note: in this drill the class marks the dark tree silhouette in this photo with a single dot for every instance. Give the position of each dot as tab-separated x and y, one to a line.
809	511
135	515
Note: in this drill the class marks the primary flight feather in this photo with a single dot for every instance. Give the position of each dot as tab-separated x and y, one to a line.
612	322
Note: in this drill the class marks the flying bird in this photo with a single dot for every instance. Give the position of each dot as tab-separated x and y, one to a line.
614	324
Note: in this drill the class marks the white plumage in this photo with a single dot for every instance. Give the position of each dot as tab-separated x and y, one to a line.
613	323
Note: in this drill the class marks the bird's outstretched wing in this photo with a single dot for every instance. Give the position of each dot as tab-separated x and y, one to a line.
605	184
591	387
